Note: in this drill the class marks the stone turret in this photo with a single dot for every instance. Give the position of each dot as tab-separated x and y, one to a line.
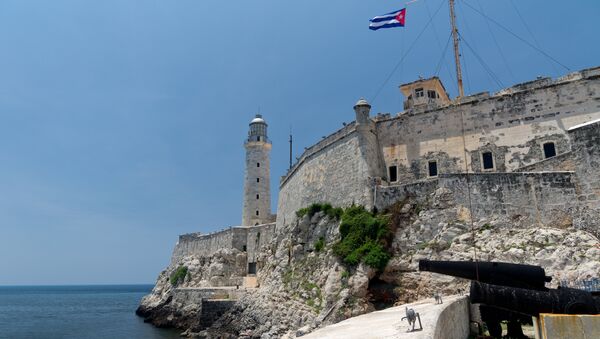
362	110
257	193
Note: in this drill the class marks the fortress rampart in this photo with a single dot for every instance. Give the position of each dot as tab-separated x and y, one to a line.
243	239
512	125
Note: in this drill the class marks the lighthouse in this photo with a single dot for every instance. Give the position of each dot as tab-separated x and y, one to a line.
257	193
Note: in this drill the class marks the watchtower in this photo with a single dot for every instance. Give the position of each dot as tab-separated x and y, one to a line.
257	193
425	92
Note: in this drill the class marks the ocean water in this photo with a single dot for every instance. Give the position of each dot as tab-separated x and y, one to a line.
50	312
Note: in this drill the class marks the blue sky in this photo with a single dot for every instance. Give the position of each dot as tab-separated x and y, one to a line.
122	122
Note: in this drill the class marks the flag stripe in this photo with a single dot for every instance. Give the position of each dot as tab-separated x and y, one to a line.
386	17
386	24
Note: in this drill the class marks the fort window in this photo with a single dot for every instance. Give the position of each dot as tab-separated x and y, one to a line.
487	158
257	179
419	92
549	150
258	164
432	94
257	213
251	268
245	248
393	173
433	170
257	196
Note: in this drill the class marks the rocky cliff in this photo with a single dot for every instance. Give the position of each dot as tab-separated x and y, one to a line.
303	285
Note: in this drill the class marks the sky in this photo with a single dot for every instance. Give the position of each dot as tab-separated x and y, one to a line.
122	122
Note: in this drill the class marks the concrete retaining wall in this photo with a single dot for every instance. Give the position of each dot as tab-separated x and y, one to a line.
453	322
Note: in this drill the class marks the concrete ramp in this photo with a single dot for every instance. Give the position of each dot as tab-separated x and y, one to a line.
449	320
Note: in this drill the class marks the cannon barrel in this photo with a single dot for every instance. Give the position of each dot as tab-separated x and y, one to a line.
497	273
532	302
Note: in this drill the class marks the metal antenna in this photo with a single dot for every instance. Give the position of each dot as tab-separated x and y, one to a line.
291	143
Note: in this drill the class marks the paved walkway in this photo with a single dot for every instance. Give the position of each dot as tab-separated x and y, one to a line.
386	323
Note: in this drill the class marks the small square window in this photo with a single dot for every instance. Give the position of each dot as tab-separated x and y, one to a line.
549	150
419	92
431	94
393	173
433	170
488	160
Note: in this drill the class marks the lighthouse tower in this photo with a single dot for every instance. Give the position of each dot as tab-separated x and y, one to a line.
257	193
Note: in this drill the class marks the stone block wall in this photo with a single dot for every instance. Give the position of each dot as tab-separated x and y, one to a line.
562	162
204	245
586	147
335	173
546	198
258	237
543	198
213	310
388	195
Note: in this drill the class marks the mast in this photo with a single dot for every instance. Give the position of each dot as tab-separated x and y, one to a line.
291	147
461	91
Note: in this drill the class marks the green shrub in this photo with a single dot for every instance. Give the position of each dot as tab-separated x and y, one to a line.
320	244
301	212
330	211
178	275
363	238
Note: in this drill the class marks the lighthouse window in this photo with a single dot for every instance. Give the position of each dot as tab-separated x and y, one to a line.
258	164
257	213
488	160
549	150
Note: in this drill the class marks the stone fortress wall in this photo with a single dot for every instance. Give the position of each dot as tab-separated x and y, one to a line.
351	165
552	197
512	124
243	239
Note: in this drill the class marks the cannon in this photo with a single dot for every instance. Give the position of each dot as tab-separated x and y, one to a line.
531	302
513	292
497	273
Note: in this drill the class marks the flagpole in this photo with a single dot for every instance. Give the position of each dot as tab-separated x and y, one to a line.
461	91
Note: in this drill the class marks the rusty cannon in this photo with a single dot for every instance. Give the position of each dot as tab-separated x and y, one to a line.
513	292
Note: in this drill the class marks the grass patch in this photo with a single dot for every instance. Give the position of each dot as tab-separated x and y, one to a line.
320	244
178	275
363	238
330	211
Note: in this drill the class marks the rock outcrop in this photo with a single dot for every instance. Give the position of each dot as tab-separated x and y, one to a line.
303	286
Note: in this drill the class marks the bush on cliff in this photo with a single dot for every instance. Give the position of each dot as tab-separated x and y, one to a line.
330	211
363	238
178	275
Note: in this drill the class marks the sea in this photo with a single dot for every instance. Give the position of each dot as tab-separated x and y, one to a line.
49	312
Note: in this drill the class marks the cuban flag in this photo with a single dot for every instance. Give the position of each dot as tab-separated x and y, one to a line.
393	19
